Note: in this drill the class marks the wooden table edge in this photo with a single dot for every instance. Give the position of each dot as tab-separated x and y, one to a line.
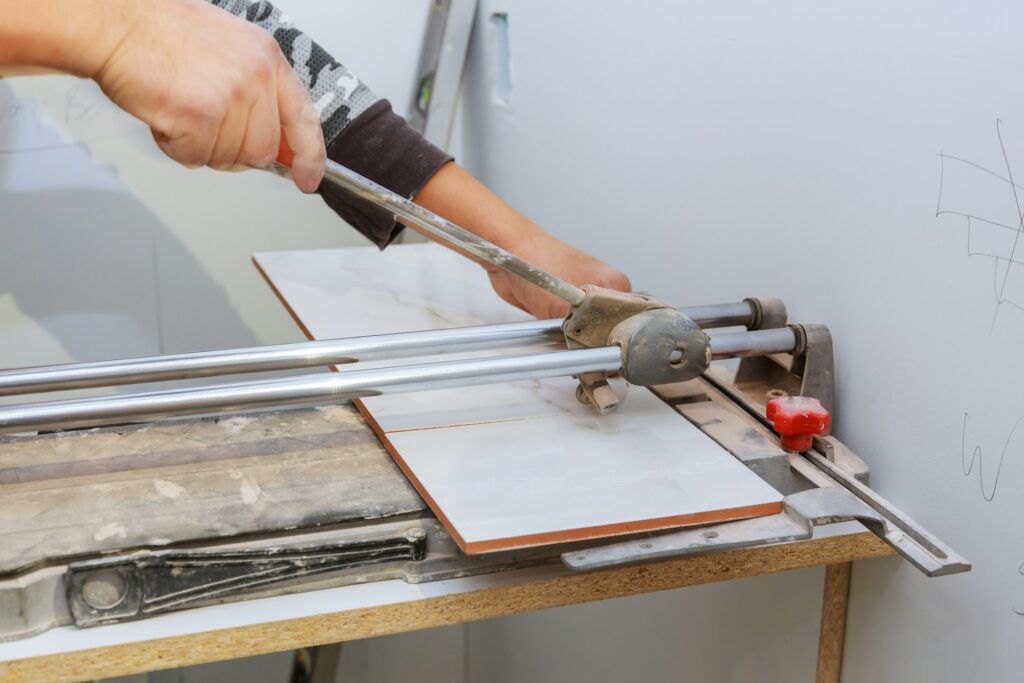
485	603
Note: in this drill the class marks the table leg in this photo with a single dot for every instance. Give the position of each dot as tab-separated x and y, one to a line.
318	664
833	622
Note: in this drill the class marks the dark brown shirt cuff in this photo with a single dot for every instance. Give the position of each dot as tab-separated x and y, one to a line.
380	145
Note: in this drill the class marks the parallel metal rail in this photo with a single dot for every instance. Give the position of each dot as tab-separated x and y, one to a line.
320	388
333	352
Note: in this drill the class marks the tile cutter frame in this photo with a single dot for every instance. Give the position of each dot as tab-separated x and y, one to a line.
646	340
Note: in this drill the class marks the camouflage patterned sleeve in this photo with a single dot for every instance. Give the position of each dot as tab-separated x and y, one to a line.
360	129
338	95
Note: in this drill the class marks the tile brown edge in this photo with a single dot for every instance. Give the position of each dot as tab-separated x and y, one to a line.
417	484
284	302
596	533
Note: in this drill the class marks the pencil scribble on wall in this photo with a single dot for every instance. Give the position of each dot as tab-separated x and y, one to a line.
974	460
983	192
988	198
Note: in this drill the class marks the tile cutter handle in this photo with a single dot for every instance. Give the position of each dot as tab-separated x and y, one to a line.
411	213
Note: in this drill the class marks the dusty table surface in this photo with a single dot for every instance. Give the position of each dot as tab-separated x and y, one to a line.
87	492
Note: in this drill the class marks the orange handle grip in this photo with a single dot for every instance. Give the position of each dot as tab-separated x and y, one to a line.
285	157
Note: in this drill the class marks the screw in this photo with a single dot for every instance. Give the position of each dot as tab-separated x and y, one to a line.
415	533
104	589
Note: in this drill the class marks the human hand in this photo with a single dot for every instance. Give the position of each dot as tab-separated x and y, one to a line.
215	90
458	196
558	258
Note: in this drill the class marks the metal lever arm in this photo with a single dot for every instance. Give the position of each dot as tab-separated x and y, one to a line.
412	213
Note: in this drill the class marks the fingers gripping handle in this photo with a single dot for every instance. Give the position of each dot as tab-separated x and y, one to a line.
285	156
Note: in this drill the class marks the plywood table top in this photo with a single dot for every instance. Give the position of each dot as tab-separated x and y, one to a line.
220	632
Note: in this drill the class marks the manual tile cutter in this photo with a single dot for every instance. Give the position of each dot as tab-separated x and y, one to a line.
644	339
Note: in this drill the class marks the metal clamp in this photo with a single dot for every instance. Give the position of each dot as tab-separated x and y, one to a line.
659	344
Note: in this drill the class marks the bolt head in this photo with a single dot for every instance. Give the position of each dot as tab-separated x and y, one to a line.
104	589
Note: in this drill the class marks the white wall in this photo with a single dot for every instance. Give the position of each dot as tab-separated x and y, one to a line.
722	150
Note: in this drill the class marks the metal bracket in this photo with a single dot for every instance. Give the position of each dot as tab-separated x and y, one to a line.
768	313
911	540
808	371
659	344
801	513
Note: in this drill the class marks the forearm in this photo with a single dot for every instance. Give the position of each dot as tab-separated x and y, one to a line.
456	195
72	36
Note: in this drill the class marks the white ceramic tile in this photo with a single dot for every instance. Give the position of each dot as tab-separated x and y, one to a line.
518	460
489	403
567	473
361	291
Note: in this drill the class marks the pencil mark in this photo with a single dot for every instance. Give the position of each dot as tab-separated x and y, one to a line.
987	238
1019	610
1004	262
978	166
977	458
978	219
1020	216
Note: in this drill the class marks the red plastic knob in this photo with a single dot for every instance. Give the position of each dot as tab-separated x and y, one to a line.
798	419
